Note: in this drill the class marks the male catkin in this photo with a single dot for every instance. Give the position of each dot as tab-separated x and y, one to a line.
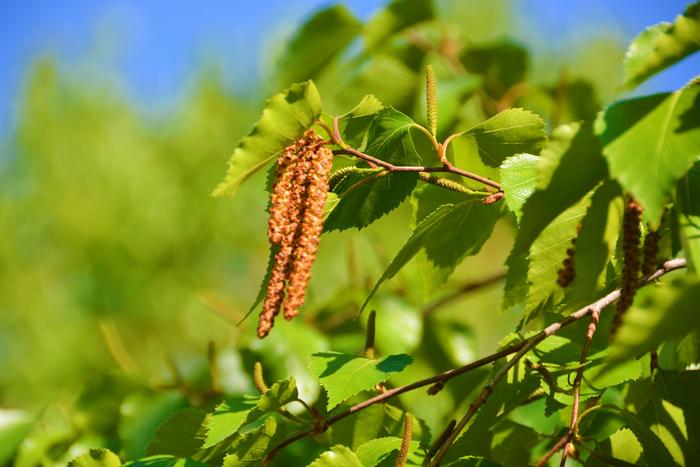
296	221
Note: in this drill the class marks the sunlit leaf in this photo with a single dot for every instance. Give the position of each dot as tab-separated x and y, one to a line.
662	45
651	142
344	375
285	118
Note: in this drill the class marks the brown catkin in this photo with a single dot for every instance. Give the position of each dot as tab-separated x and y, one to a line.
631	235
296	220
566	273
651	252
320	161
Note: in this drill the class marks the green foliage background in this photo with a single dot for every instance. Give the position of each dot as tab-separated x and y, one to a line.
123	281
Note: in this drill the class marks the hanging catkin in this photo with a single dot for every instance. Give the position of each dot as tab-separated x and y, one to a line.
296	221
651	251
631	235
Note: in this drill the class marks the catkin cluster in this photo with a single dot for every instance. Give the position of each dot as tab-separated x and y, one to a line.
631	235
296	221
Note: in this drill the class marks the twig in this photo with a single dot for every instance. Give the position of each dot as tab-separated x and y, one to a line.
521	348
464	289
550	330
446	167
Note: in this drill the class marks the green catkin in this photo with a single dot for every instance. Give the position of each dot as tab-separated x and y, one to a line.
405	440
369	339
431	99
258	378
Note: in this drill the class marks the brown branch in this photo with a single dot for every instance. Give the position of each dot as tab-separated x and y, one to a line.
521	348
530	343
446	167
464	289
566	440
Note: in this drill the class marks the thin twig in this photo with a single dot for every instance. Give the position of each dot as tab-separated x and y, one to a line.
550	330
446	167
464	289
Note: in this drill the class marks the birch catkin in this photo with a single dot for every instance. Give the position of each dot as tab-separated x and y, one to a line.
631	234
296	221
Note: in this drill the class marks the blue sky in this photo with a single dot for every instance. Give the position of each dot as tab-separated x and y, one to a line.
155	45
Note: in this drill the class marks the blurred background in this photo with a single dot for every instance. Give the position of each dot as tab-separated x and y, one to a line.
116	121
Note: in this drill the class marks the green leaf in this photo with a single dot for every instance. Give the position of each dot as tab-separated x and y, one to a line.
655	452
519	177
354	125
15	425
446	236
375	451
286	116
345	375
177	436
657	315
625	447
570	167
320	39
398	15
337	456
595	244
688	204
164	461
651	142
390	139
253	446
502	65
662	45
227	418
510	132
96	458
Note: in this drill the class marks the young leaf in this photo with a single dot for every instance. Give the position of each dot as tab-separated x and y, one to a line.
651	142
688	204
316	43
338	456
510	132
655	452
285	118
662	45
345	375
595	244
177	436
519	177
96	458
227	419
398	15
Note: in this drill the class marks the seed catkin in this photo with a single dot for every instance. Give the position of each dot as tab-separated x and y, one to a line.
296	221
631	235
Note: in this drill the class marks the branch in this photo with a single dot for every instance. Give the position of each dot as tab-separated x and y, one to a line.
373	161
566	440
550	330
521	348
